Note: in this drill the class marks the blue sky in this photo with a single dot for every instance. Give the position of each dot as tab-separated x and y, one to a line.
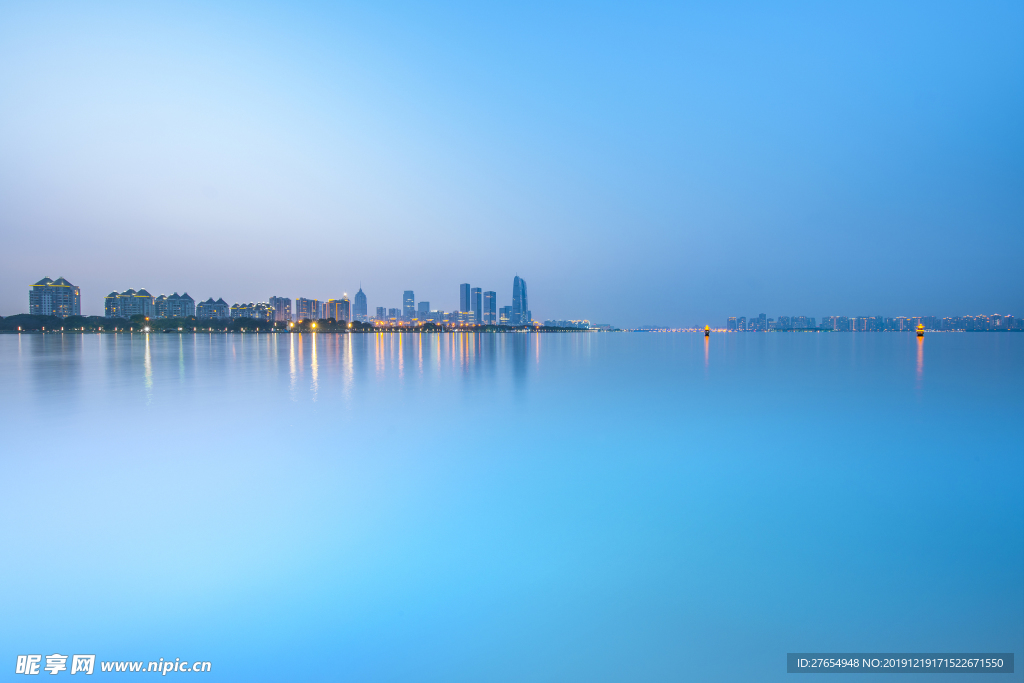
636	163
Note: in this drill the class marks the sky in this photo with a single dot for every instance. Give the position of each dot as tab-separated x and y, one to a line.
637	163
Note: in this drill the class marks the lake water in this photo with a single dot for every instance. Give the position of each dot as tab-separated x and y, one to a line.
510	507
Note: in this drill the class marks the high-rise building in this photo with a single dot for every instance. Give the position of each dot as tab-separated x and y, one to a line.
308	309
382	313
408	305
339	309
129	303
731	324
58	298
464	304
213	310
423	310
476	304
256	311
520	306
359	306
282	309
174	306
490	308
394	313
505	315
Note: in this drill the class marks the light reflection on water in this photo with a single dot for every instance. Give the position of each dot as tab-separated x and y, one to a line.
436	507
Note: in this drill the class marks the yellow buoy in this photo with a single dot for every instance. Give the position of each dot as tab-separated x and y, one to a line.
707	331
920	330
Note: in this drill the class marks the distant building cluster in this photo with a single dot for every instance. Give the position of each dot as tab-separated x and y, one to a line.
476	307
842	323
58	298
577	324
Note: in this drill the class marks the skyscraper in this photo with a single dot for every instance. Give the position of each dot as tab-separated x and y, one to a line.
382	313
476	304
338	309
490	308
308	309
359	306
520	305
408	305
57	297
422	310
464	304
282	306
505	315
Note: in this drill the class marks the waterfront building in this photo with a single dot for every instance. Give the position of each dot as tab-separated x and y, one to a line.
464	304
213	310
129	303
505	315
256	311
58	298
175	306
339	309
394	314
730	324
308	309
423	310
282	306
520	307
359	306
382	313
574	324
490	308
476	304
408	305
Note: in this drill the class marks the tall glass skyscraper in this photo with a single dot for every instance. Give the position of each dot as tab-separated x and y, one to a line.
464	304
490	308
520	305
475	301
359	306
408	305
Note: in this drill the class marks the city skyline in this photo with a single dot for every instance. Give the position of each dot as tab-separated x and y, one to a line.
656	164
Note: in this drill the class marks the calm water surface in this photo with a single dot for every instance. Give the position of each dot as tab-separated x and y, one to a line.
562	507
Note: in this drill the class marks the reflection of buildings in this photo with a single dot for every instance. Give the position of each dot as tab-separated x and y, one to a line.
175	306
58	298
359	307
213	310
282	309
129	303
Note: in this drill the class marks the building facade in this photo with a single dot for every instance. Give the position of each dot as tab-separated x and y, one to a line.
464	304
339	309
408	305
308	309
359	306
490	308
505	315
58	298
520	302
129	303
476	304
282	306
175	306
255	311
213	310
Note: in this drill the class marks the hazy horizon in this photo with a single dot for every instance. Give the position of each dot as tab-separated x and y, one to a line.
637	164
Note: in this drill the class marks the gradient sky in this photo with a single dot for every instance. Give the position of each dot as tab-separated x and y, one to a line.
637	163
